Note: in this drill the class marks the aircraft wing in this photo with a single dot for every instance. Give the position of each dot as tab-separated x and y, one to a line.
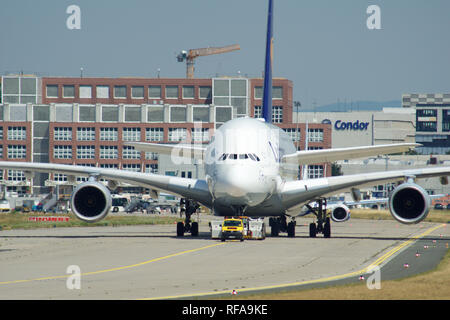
299	192
195	189
330	155
177	150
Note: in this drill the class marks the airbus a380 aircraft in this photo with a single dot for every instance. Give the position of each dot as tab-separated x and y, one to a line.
251	169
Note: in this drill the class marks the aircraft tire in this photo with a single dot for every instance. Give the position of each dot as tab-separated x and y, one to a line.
180	229
312	230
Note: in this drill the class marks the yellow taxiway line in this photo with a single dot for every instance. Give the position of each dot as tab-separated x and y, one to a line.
117	268
377	262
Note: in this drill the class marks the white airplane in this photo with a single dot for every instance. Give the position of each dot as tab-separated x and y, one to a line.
251	169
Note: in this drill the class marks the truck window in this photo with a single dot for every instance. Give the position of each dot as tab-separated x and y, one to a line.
232	223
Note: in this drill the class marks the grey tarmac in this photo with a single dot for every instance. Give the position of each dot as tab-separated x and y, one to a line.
150	262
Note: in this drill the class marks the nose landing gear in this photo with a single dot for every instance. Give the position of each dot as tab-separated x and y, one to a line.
280	224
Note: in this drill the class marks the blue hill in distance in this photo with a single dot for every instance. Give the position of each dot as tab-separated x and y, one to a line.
352	106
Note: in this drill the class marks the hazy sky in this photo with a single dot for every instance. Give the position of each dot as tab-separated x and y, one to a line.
323	46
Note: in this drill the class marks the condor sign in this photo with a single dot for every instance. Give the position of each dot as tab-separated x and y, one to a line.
355	126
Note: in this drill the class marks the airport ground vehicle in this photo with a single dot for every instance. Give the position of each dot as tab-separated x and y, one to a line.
232	228
4	205
253	228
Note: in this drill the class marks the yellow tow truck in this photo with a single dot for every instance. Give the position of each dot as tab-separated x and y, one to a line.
232	228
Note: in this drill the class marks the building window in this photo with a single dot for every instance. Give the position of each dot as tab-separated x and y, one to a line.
58	177
154	92
137	92
68	91
109	166
171	92
85	92
178	114
188	92
87	113
109	134
177	134
16	175
155	114
446	120
294	133
17	152
85	152
151	156
109	152
258	92
315	135
277	114
129	152
1	133
154	134
1	151
133	114
426	120
315	171
200	134
151	168
17	133
131	134
62	134
62	152
102	92
120	92
277	92
132	167
258	112
205	92
85	134
110	114
52	91
200	114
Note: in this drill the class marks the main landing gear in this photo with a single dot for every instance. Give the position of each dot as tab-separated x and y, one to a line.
188	207
323	224
280	224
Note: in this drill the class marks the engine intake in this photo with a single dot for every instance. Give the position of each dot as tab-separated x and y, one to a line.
91	201
340	213
409	203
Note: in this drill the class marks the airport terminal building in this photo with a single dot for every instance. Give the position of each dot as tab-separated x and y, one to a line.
365	128
86	121
432	120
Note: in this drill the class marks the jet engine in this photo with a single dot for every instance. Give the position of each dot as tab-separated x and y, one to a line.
340	213
91	201
409	203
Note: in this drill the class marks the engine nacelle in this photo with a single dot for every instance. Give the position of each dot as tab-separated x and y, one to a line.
91	201
340	213
409	203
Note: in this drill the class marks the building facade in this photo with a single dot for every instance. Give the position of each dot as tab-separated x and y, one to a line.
87	121
365	128
432	120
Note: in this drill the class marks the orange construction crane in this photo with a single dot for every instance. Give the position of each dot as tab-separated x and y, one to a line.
194	53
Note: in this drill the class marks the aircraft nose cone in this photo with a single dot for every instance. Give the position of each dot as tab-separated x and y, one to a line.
240	185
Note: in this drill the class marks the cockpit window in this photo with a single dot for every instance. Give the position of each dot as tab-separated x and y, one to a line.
234	156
